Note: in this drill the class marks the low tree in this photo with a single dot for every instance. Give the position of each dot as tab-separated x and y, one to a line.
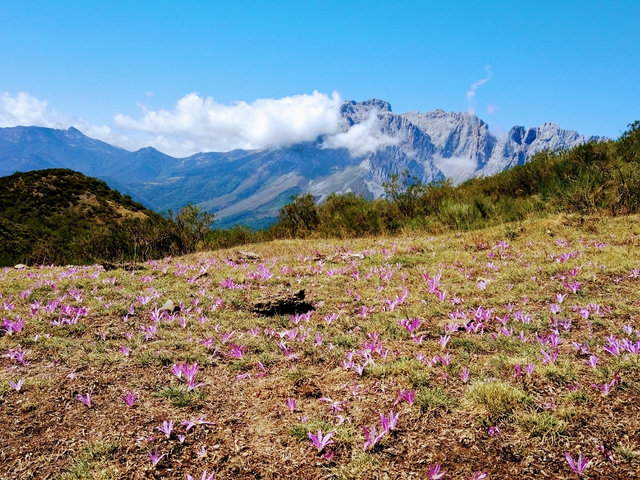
193	224
298	218
405	192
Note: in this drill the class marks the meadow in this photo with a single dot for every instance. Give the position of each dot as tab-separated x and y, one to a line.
509	351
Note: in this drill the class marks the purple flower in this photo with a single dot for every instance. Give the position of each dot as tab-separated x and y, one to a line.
356	389
574	287
592	362
391	422
328	455
446	360
370	436
291	403
477	476
189	372
441	294
237	351
17	385
144	299
155	457
560	297
406	395
166	428
465	375
129	398
605	387
226	336
608	454
176	369
549	357
205	476
435	473
410	325
579	465
18	355
336	406
13	327
529	369
518	370
331	317
614	345
319	441
86	399
631	347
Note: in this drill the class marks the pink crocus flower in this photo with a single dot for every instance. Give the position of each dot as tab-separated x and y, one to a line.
129	398
155	457
17	385
578	465
86	399
435	472
319	441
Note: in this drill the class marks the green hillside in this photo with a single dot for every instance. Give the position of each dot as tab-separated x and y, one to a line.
61	216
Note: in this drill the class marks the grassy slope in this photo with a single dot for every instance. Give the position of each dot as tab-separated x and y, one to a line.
47	433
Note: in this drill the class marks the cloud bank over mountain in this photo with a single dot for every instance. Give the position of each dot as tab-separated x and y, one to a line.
200	124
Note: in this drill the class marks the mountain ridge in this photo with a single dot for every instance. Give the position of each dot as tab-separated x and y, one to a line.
251	185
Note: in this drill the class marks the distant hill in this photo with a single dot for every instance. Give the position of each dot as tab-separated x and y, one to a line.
44	195
62	216
250	186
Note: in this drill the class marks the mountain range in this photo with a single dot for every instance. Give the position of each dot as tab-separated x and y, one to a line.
249	186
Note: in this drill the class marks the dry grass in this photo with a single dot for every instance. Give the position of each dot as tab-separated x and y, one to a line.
47	433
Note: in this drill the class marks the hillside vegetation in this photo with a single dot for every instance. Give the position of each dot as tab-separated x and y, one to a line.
60	216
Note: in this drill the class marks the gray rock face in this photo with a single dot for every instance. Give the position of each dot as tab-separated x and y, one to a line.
520	144
249	187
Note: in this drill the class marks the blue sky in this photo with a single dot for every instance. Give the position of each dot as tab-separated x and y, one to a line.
575	63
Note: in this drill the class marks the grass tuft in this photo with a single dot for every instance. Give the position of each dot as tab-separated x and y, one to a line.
497	398
180	397
433	400
541	424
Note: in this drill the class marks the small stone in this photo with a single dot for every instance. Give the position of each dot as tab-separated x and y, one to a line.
169	306
252	256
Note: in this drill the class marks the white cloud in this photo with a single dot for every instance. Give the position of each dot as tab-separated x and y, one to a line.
362	138
458	169
471	94
202	124
25	109
198	124
492	109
